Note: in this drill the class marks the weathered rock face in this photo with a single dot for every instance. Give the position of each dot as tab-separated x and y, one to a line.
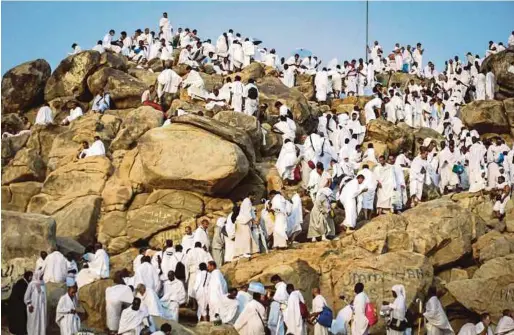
92	299
509	111
395	138
305	84
11	145
84	177
16	197
25	235
147	77
271	90
253	71
24	85
443	230
493	245
226	132
499	64
75	218
135	124
114	61
195	160
378	274
486	116
67	144
27	165
242	121
160	210
496	267
69	78
481	295
125	90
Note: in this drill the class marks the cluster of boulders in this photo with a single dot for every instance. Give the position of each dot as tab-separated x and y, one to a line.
154	181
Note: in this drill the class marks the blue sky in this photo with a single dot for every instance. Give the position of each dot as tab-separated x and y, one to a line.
46	30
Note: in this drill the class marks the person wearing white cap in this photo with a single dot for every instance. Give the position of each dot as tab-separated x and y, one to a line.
252	320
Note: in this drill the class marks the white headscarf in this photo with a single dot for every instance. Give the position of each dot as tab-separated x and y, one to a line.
245	212
221	222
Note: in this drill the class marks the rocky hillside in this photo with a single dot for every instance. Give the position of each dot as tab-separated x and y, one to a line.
157	180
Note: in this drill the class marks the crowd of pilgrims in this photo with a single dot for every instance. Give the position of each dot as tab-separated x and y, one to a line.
187	275
331	165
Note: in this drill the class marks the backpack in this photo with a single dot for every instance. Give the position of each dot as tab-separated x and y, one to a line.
304	312
371	314
325	317
253	93
180	270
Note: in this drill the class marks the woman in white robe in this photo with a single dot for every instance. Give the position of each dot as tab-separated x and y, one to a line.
436	320
350	198
230	229
35	299
66	313
397	308
279	205
321	223
295	219
44	115
244	245
287	160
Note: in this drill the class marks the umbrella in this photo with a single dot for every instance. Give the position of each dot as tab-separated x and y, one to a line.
302	52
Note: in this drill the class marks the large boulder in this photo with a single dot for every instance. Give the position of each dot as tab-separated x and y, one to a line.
305	84
147	77
24	86
499	65
112	232
16	197
493	245
248	123
67	144
42	138
92	299
486	116
125	90
253	71
84	177
496	267
69	78
226	132
339	275
271	90
75	218
136	123
443	230
26	235
194	160
509	111
114	61
11	145
160	210
481	295
27	165
212	81
395	138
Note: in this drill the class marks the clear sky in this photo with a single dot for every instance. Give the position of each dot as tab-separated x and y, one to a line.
32	30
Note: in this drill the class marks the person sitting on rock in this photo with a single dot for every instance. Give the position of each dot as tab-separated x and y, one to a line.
102	102
96	149
75	113
150	98
44	115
